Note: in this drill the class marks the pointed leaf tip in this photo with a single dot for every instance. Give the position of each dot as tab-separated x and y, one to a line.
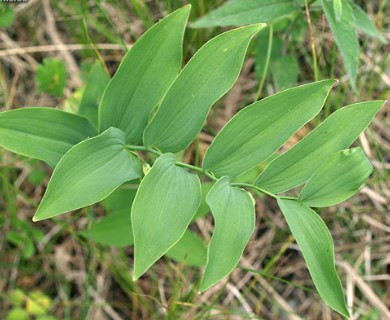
336	133
88	173
234	219
166	201
337	179
209	74
42	133
153	62
261	128
316	244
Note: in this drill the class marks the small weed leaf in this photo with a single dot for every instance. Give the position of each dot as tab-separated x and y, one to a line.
51	77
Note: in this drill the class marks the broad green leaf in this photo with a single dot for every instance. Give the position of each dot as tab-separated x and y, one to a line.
42	133
88	173
364	23
144	76
258	130
337	179
234	218
285	72
7	15
36	176
315	241
51	77
262	48
208	75
189	250
336	133
121	199
204	208
346	38
239	13
96	83
18	313
113	230
338	9
164	206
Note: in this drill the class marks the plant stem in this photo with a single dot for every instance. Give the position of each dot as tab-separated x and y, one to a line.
313	46
252	186
143	148
197	169
267	60
208	174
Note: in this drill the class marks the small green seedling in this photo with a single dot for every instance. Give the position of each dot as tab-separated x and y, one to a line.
96	153
51	77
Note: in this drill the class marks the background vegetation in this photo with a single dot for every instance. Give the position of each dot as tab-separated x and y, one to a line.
48	270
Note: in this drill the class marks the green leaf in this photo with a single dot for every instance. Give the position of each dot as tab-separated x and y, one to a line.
51	77
337	179
316	243
42	133
96	83
164	206
204	208
113	230
338	9
189	250
239	13
346	38
261	51
334	134
208	75
7	15
285	72
364	23
17	314
258	130
121	199
88	173
144	76
36	176
234	216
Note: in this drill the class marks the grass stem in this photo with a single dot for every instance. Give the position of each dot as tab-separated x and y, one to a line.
267	61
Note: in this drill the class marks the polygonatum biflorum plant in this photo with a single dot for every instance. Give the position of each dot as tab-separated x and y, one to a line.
102	148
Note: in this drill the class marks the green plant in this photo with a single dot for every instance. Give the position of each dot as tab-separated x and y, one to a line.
345	18
26	305
51	77
91	162
7	15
